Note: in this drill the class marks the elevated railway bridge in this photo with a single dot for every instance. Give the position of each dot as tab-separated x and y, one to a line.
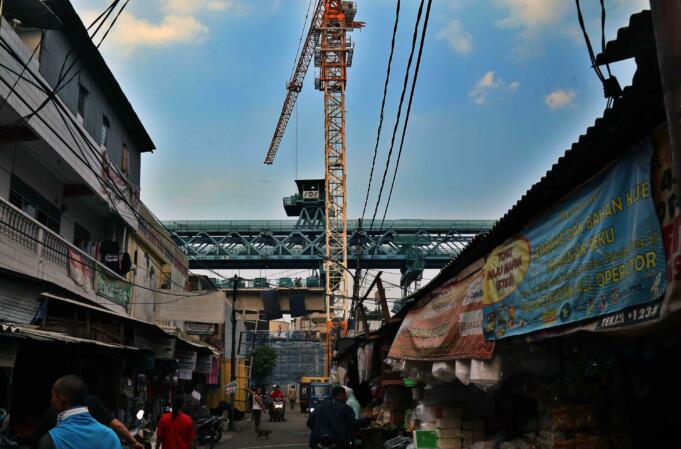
409	245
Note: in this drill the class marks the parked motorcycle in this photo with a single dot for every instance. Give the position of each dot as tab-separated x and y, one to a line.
141	430
278	410
209	431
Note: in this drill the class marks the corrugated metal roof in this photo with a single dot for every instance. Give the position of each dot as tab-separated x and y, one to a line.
25	331
632	118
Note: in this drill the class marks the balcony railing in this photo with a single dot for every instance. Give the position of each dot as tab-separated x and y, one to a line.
31	248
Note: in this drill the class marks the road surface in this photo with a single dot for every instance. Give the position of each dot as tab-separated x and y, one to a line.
290	434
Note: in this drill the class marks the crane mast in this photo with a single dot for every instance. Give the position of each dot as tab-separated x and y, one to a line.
333	56
327	41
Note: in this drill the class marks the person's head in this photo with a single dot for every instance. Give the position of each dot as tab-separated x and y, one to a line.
276	388
258	391
68	392
178	403
339	393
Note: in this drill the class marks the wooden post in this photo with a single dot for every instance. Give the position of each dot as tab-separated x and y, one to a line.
363	318
382	300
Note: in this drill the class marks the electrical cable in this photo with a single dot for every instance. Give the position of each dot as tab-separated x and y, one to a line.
385	94
399	111
590	49
61	83
607	65
120	11
406	118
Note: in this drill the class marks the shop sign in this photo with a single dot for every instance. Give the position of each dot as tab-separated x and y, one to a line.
193	328
665	190
187	364
447	327
230	387
204	364
113	289
633	315
8	356
599	252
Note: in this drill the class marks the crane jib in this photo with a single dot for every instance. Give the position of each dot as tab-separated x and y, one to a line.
295	85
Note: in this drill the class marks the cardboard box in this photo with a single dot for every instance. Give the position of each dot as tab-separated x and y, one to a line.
448	423
449	433
449	443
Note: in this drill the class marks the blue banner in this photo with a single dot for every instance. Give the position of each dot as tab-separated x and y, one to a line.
598	252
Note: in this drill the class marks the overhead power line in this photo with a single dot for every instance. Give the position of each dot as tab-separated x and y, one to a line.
385	94
399	111
406	118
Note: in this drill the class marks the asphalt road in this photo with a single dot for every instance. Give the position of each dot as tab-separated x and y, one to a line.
290	434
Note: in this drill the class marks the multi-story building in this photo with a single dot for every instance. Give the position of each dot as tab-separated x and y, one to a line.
70	172
83	263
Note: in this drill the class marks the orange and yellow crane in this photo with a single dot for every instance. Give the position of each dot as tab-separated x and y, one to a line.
328	43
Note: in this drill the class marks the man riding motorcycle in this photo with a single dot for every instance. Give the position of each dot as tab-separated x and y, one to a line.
333	422
277	396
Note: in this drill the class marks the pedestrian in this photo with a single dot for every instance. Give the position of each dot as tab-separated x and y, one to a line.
257	408
292	395
76	428
100	413
334	421
175	429
353	402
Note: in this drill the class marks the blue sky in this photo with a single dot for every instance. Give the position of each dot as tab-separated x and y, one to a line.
505	87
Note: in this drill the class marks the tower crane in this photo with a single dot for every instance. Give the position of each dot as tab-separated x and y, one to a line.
332	49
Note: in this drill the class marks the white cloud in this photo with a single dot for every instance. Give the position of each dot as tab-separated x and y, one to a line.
131	32
180	21
489	84
193	7
531	18
559	98
458	38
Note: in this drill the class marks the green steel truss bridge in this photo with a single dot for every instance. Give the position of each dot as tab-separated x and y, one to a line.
408	245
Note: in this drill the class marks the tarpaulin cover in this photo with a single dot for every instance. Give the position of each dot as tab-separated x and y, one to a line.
447	327
598	252
270	303
297	305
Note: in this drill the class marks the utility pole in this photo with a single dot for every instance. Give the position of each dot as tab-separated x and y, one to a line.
232	379
667	26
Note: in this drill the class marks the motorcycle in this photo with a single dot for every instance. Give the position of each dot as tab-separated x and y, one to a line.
209	431
278	410
141	430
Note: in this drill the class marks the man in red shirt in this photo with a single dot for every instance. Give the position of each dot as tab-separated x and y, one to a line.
279	395
175	430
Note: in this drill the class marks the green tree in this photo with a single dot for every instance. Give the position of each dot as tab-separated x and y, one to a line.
264	362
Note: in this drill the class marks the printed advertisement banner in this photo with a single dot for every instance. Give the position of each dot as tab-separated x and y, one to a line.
600	251
447	327
113	289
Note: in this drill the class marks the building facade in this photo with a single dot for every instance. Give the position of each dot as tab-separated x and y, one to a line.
83	262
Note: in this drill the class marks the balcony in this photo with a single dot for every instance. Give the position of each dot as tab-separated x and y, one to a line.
32	249
55	137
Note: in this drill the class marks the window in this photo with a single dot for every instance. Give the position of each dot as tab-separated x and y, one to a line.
125	160
104	136
81	236
82	97
34	204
